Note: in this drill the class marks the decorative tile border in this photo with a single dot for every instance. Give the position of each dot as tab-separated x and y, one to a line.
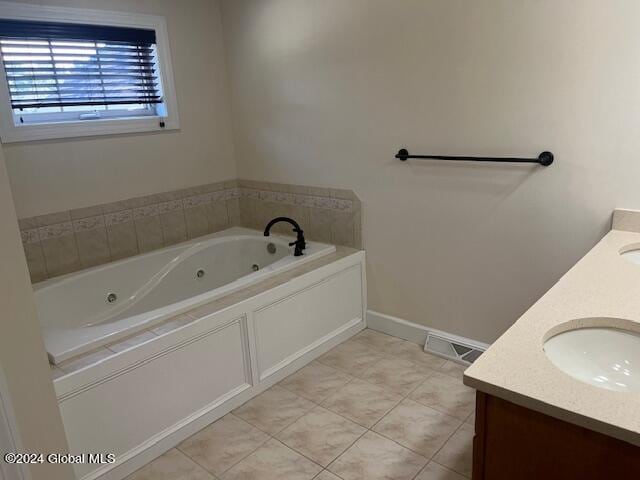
55	231
298	199
167	207
143	212
30	236
90	223
118	218
36	230
197	200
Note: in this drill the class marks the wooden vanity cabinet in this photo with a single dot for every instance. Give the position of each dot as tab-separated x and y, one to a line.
515	443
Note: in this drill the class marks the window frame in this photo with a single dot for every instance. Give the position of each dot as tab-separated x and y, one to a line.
10	132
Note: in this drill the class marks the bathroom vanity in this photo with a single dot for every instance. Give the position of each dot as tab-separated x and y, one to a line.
515	442
559	393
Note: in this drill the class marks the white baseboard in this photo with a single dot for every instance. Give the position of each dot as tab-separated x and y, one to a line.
412	332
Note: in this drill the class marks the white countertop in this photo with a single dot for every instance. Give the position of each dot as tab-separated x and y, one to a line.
602	289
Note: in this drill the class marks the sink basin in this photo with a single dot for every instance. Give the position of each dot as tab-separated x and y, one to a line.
605	357
632	256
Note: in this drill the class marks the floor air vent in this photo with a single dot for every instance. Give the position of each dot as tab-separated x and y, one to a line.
452	349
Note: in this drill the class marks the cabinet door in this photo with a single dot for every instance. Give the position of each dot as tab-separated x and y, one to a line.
513	442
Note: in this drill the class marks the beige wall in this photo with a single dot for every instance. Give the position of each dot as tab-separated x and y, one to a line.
23	361
325	92
51	176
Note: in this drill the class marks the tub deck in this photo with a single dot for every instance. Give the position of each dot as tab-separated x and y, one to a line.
103	353
78	317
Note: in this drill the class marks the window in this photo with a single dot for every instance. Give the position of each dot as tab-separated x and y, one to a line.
97	75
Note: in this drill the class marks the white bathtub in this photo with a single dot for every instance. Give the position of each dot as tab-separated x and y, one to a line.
76	315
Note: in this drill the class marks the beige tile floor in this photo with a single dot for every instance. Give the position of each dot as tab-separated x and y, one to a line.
375	407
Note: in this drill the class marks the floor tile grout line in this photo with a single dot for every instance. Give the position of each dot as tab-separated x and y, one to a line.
387	353
319	403
405	397
435	407
337	456
353	421
364	371
462	422
366	429
387	414
288	424
334	393
434	370
440	465
193	461
450	469
306	413
324	408
447	441
225	471
401	446
466	420
346	450
422	469
330	472
428	458
421	383
248	455
386	387
269	437
300	453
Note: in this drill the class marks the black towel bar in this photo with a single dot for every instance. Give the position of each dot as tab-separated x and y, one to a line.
545	158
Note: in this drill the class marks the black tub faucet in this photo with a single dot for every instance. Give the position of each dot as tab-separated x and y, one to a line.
300	243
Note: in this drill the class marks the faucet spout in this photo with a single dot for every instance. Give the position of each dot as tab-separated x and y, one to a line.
300	243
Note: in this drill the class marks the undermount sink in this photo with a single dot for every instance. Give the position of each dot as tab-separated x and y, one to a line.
632	255
608	358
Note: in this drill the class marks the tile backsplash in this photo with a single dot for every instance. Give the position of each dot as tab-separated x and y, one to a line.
66	242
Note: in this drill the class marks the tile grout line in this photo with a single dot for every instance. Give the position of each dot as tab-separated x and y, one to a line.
299	453
269	437
345	450
351	379
316	405
191	460
406	397
385	387
450	469
402	398
319	404
443	445
288	425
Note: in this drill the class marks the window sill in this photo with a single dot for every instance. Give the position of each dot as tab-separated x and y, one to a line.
86	128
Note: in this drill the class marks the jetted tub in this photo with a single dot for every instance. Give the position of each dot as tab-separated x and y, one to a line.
88	309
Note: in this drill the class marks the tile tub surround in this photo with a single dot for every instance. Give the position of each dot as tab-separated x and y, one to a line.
326	215
65	242
602	289
330	423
